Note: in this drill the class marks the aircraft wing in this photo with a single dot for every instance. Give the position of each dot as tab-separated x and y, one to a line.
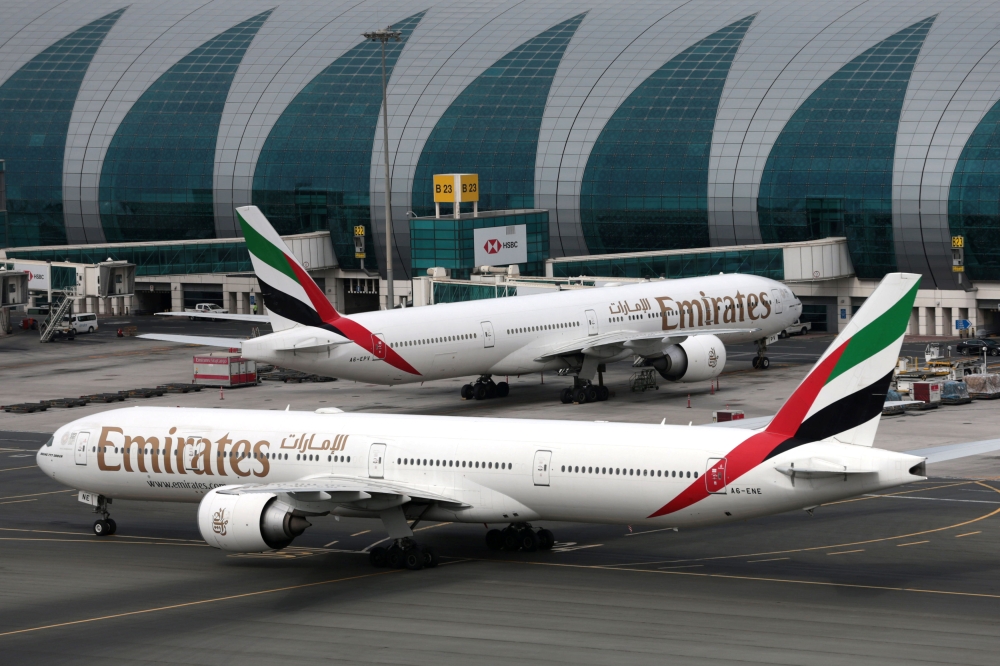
260	319
344	490
194	340
937	454
626	339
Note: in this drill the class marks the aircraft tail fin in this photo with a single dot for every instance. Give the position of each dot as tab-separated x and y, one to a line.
292	297
843	395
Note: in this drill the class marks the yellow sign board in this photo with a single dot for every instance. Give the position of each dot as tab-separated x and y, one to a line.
958	241
958	269
456	187
359	230
360	255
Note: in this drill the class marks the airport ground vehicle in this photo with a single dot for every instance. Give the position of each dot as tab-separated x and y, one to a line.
85	322
680	327
797	328
206	309
260	476
976	346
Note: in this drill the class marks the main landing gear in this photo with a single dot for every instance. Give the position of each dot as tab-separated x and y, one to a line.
485	388
520	536
585	391
761	362
105	525
403	554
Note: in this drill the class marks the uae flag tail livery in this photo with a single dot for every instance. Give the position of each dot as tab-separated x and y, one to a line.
841	399
292	297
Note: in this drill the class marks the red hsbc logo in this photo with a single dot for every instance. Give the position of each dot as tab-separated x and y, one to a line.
492	246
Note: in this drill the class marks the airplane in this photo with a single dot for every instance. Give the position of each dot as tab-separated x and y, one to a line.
260	476
676	326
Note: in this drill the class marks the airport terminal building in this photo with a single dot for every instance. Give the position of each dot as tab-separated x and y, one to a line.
704	128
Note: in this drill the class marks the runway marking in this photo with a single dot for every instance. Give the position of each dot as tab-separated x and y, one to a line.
845	552
327	545
662	529
429	527
360	533
18	501
838	545
106	540
568	549
684	566
937	499
773	559
912	543
904	492
196	603
11	469
51	492
116	536
959	536
140	352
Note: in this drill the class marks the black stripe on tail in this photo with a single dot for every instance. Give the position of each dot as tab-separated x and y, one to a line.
292	308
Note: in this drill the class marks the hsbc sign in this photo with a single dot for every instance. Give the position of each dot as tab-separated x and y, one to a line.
501	246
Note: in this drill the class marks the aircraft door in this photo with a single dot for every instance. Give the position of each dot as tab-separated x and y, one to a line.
378	345
376	461
776	300
591	322
191	449
715	476
541	467
487	334
80	448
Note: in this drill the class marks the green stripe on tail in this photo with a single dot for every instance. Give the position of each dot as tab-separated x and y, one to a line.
264	250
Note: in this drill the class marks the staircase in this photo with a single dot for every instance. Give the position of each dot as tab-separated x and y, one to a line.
51	324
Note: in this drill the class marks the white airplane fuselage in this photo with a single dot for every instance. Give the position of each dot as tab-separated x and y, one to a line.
501	470
510	336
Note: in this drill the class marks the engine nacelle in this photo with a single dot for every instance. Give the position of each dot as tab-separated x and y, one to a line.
698	358
250	523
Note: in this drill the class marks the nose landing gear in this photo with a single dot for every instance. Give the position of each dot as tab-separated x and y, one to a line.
760	361
105	525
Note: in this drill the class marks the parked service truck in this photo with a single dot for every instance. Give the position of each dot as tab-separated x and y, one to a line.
798	328
206	308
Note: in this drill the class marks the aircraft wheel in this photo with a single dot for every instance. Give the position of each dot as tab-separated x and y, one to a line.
765	363
755	362
546	539
580	395
101	528
503	390
592	394
494	540
511	540
603	393
479	391
566	396
491	391
113	525
430	558
413	559
529	540
394	557
378	557
467	392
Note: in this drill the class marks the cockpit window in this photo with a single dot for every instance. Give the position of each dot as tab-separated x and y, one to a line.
51	439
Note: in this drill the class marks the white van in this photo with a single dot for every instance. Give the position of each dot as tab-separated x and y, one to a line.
85	322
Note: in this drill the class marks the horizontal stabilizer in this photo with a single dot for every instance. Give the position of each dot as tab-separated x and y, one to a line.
815	468
194	340
938	454
745	424
257	319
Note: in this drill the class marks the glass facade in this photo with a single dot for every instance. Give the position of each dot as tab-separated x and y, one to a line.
974	198
830	171
174	259
646	182
453	292
448	243
156	181
768	262
36	103
491	129
314	170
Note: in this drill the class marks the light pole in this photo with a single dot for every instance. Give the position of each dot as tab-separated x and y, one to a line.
384	36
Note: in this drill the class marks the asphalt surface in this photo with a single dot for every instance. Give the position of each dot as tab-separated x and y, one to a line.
901	579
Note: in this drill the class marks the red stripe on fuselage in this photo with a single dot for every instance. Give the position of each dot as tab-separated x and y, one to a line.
360	335
754	450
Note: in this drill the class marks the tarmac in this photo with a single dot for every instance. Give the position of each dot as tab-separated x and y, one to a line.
908	576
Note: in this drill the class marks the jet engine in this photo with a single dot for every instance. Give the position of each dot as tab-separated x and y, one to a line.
249	523
698	358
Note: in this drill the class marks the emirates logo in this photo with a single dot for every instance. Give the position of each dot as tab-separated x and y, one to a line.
220	522
713	358
492	246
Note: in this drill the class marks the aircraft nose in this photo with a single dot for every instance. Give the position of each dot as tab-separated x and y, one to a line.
44	456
